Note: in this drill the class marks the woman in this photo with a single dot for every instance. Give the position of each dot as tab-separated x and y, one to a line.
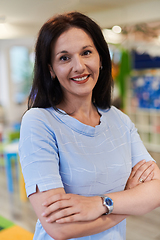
74	147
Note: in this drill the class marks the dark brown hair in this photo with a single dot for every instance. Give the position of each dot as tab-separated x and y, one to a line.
47	93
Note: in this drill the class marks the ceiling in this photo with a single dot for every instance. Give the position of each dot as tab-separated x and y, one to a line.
23	18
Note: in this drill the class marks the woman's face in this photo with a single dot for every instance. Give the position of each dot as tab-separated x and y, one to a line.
76	63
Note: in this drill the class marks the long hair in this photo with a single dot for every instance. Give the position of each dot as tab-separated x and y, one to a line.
47	92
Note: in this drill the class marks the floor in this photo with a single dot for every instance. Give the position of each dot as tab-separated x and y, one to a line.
12	208
145	227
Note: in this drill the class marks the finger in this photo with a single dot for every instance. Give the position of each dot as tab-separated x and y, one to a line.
142	169
147	171
55	198
150	177
72	218
136	167
63	216
56	206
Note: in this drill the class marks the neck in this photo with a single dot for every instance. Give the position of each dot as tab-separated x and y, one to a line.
74	105
84	111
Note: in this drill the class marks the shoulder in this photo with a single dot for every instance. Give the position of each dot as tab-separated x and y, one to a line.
37	119
34	113
47	119
36	124
116	116
38	115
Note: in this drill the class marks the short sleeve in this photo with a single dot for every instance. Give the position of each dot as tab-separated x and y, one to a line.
138	150
38	152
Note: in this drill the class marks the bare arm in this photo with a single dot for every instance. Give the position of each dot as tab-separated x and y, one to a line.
141	199
74	229
83	228
72	207
142	172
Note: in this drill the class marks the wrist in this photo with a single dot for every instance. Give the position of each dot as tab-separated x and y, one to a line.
99	206
107	204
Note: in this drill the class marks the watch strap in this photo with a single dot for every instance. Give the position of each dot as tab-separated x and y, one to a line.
108	206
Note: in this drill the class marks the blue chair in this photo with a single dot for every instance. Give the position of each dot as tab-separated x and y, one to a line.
11	156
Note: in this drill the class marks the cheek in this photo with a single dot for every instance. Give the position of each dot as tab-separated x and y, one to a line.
97	64
61	73
96	68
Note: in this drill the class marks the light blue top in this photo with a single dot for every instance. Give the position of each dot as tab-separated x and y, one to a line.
56	150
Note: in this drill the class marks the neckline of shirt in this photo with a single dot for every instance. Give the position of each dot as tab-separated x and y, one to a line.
78	126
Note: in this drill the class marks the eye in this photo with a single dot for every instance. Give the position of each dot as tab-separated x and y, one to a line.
87	52
64	58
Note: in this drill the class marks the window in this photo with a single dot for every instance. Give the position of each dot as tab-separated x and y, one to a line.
21	62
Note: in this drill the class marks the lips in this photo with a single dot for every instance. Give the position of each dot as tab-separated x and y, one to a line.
81	79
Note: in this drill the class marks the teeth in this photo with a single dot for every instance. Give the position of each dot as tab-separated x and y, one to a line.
80	79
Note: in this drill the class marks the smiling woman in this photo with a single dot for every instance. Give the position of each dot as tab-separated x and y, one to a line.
84	164
76	64
48	37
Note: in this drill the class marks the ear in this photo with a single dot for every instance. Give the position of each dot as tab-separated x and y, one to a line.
100	62
53	75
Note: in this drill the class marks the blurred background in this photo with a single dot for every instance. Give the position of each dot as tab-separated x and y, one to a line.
132	30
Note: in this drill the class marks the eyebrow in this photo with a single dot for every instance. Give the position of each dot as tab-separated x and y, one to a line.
87	46
61	52
64	51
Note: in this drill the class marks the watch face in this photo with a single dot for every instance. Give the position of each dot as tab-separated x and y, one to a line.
109	201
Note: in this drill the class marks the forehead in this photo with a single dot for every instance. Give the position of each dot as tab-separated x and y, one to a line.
73	37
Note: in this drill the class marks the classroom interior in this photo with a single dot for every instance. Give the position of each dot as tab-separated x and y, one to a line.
132	31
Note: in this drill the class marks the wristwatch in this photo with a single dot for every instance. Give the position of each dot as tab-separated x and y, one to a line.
108	203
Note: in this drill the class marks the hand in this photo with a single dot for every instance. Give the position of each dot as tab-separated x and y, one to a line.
64	208
142	172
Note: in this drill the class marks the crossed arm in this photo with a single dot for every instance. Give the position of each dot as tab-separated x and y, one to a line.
78	214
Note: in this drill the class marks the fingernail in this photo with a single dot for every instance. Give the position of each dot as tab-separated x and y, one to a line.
43	214
48	220
59	221
44	204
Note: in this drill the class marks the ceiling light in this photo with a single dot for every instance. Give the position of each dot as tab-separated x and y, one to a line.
116	29
112	37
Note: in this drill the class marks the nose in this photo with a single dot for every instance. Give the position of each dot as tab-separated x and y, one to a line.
78	64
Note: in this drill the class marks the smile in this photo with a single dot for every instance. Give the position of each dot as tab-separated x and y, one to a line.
80	79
